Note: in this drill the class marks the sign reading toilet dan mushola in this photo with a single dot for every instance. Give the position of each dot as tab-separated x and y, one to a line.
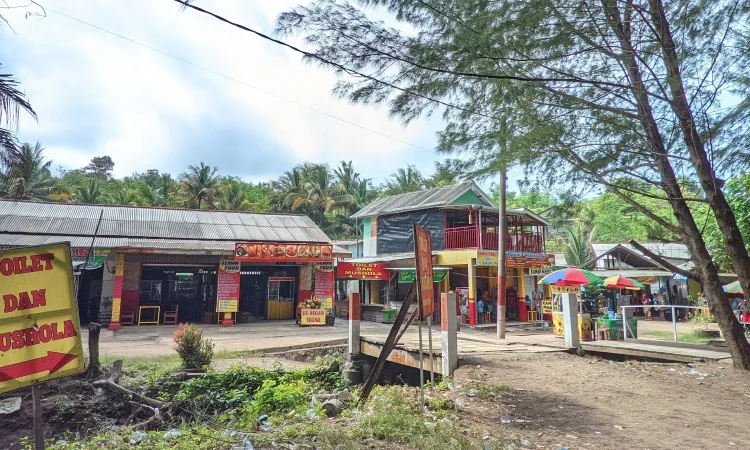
40	337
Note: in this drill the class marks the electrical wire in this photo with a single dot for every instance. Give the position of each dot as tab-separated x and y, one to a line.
331	116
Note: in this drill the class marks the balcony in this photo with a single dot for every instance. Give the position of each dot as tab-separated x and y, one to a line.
526	239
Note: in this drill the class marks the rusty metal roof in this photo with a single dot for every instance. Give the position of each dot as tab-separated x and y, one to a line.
148	227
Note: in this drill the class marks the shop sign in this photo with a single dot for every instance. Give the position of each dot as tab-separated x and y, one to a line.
280	252
409	275
546	306
312	317
565	289
423	258
228	288
324	284
40	337
545	271
95	261
528	260
361	271
486	258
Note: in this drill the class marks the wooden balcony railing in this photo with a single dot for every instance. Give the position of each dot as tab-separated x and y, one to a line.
468	237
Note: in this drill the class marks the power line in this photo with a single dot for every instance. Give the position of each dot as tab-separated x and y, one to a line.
239	81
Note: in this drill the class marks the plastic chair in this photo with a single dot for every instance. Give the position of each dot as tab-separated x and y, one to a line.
127	318
170	317
603	334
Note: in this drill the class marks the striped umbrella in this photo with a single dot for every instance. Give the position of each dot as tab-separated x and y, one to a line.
571	277
733	288
619	282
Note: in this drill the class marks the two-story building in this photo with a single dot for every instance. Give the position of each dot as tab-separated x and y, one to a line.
463	222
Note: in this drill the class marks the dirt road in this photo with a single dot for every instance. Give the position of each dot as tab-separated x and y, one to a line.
559	400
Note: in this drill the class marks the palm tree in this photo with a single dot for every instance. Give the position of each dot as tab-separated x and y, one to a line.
90	192
27	174
346	176
199	183
446	174
124	196
578	247
319	193
12	101
404	180
231	196
151	196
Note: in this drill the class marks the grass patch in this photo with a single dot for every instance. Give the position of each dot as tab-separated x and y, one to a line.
489	391
691	337
235	354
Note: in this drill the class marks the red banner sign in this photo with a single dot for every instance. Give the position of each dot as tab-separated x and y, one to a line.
324	284
228	289
362	271
423	257
278	252
528	260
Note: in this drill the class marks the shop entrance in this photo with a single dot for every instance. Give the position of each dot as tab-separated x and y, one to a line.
190	290
269	292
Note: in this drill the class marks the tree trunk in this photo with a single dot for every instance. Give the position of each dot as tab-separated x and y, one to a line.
725	217
689	231
94	369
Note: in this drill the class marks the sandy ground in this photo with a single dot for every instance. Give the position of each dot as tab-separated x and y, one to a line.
563	400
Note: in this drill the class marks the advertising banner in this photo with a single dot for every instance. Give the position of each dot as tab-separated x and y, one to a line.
361	271
516	260
313	317
280	252
425	277
324	284
228	288
409	275
40	337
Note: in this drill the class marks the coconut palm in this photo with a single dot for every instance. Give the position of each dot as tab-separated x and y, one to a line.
124	196
231	196
90	192
27	174
404	180
151	196
198	184
319	192
12	101
578	246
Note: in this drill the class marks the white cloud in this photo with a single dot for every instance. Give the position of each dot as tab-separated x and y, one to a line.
99	94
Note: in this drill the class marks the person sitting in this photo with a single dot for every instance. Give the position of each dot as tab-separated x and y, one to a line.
480	310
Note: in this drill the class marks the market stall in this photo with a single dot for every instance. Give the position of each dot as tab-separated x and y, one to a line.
569	281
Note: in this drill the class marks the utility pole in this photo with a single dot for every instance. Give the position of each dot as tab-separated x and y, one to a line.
502	233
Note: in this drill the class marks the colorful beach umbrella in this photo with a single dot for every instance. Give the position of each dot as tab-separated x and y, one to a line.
619	282
571	277
733	288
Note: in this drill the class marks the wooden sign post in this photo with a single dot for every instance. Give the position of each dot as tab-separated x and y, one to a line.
425	295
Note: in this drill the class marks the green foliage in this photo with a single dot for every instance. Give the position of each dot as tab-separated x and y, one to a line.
278	398
195	351
577	251
407	179
24	173
737	191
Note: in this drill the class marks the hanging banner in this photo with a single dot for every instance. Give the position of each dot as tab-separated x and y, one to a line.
516	260
280	252
545	271
95	261
409	275
423	258
40	337
324	284
361	271
487	258
228	286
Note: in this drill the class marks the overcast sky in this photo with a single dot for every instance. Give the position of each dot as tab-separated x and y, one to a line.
98	94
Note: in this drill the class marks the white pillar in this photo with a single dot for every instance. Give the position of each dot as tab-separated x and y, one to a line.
354	316
570	313
448	332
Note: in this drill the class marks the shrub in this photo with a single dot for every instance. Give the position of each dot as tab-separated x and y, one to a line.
195	351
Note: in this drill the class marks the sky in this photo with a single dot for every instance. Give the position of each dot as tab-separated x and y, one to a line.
98	94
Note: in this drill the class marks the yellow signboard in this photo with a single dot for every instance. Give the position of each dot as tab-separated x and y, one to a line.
565	289
312	317
40	337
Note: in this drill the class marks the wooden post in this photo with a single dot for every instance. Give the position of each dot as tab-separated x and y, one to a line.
448	332
390	342
94	331
38	421
355	315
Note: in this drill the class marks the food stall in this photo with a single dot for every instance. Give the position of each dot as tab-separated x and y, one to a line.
565	282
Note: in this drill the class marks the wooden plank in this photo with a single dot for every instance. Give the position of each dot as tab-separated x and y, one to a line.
652	351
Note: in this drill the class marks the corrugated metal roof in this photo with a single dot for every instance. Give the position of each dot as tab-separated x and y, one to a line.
426	198
633	273
74	220
668	250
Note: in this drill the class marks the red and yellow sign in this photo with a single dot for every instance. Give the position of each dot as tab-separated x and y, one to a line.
423	258
40	337
324	284
279	252
312	317
228	289
361	271
516	260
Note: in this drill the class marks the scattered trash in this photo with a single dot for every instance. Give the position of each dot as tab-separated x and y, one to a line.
732	444
671	369
522	421
526	443
101	444
560	406
246	445
311	415
505	421
61	442
471	393
10	405
570	436
475	419
263	423
485	436
598	433
619	427
562	448
137	437
173	433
